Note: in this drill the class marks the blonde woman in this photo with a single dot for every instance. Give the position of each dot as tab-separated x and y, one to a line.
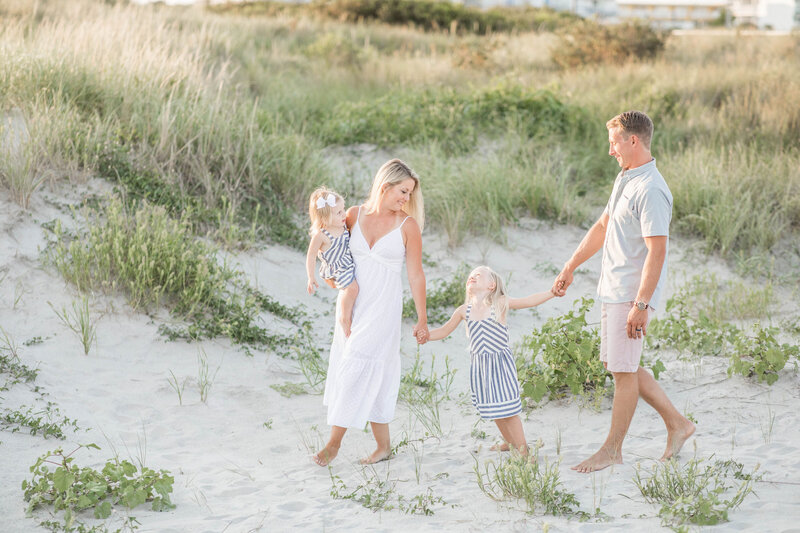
492	372
364	368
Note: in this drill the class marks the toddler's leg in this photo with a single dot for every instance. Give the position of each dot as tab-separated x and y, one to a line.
511	429
349	294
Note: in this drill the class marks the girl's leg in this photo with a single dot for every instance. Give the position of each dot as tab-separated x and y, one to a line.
331	450
511	429
384	449
349	294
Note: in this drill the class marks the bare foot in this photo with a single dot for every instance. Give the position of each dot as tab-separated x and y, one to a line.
346	323
600	460
326	455
676	438
376	457
500	447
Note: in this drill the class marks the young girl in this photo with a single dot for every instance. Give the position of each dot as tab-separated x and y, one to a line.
492	373
330	241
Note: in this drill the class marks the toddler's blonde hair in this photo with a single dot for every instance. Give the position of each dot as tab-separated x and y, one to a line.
321	217
497	297
392	173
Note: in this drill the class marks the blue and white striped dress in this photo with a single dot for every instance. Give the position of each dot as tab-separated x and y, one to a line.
492	371
336	262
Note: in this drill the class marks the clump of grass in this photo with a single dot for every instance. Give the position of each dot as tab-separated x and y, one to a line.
588	43
205	379
699	492
154	259
538	486
80	322
177	386
311	365
425	392
442	297
452	119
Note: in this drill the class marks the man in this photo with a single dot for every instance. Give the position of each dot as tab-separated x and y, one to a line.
633	233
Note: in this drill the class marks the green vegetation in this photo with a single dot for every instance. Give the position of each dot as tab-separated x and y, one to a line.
537	485
442	297
154	259
425	392
73	489
229	121
430	15
699	492
562	356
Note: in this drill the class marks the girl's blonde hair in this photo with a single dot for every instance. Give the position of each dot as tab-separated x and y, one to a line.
497	297
321	216
392	173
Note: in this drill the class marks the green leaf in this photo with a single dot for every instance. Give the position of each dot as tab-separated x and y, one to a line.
103	510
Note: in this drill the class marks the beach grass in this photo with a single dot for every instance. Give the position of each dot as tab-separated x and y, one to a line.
226	116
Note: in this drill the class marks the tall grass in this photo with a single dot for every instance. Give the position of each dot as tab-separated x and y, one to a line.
216	114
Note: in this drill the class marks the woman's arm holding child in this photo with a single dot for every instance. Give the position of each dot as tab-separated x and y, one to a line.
530	301
311	261
440	333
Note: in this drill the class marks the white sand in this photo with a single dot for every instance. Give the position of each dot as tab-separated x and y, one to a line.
234	474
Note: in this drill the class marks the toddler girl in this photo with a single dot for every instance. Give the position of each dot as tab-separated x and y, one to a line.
492	373
330	241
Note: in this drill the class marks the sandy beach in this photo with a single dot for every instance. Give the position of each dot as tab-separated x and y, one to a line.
241	460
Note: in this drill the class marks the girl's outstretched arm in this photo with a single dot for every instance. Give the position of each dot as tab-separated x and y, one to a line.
311	261
530	301
440	333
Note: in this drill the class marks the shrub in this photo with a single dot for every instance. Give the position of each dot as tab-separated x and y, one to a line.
590	43
760	355
441	299
562	356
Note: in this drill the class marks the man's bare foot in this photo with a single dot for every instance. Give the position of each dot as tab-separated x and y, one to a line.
600	460
500	447
326	455
676	438
376	457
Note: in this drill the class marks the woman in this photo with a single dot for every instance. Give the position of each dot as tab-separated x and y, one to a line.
364	368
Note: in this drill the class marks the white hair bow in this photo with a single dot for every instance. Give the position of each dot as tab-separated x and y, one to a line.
323	201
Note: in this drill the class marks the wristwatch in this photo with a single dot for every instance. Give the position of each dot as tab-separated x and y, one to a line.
641	305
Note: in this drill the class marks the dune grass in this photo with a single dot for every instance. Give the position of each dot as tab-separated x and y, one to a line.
225	117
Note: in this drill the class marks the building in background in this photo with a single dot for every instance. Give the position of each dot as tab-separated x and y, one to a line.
673	14
765	14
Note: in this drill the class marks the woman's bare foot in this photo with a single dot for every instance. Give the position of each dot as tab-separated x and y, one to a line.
326	455
500	447
600	460
676	439
376	457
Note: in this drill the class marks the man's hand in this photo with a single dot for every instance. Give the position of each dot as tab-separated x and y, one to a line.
561	283
312	286
637	323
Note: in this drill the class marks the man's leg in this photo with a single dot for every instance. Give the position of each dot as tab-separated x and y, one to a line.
679	428
626	396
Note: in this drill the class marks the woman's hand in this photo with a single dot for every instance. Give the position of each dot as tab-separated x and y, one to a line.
421	332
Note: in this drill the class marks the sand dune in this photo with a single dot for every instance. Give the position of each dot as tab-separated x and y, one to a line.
241	461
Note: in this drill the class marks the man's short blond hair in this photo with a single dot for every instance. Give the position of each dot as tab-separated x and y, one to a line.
633	123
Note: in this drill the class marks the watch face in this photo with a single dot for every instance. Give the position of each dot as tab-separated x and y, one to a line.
641	305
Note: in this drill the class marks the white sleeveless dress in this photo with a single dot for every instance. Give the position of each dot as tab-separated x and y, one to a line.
364	369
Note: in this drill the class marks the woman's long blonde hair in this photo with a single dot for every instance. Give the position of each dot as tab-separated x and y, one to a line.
497	297
392	173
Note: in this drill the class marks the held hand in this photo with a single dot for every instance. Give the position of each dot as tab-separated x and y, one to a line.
421	332
562	281
312	286
637	323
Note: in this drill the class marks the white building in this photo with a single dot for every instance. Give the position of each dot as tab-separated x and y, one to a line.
766	14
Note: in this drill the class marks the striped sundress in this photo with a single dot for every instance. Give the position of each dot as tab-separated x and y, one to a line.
492	373
336	262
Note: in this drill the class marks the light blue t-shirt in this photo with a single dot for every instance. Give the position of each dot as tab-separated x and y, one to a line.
640	206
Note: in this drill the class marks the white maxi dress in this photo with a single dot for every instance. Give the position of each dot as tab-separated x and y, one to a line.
364	369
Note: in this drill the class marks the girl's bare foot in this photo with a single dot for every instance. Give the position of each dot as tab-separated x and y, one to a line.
600	460
676	438
326	455
377	456
500	447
